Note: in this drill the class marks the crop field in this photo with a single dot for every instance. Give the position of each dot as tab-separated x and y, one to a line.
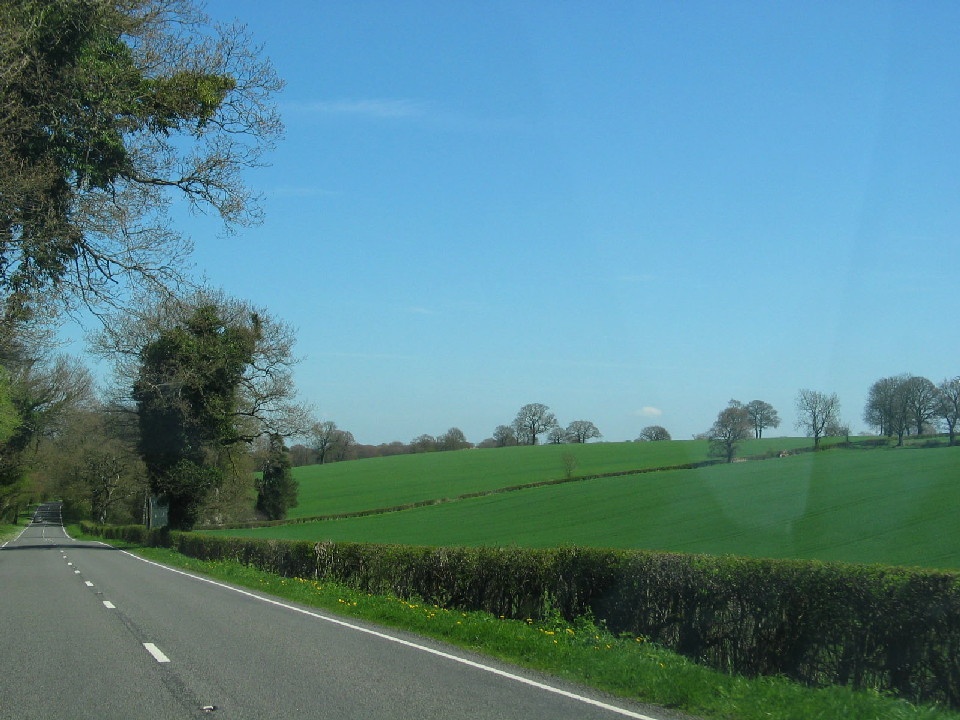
404	479
891	506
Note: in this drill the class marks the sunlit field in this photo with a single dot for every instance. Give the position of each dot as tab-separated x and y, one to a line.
891	506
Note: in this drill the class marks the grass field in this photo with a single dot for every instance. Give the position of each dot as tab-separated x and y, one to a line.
892	506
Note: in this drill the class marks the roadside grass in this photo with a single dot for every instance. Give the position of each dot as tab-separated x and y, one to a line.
882	505
9	532
580	652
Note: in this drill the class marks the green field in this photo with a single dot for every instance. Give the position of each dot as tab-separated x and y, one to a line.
893	506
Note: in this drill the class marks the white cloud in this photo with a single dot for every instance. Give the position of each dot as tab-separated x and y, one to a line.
650	411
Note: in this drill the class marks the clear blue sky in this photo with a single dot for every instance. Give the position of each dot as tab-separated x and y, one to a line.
629	211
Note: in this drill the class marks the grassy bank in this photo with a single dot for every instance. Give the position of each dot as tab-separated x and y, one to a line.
579	652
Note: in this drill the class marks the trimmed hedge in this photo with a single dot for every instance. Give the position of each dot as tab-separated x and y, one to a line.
892	629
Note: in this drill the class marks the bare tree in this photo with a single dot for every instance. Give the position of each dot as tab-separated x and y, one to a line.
323	435
817	411
762	415
453	439
581	431
921	398
948	408
654	433
731	427
532	421
504	436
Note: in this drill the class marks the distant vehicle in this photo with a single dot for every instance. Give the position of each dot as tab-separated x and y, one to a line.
37	518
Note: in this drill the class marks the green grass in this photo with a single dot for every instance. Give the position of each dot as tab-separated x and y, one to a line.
8	532
892	506
359	485
580	652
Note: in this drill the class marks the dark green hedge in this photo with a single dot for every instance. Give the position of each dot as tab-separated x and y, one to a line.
887	628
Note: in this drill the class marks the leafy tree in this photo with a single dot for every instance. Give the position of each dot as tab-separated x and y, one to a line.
187	395
532	421
817	411
732	426
762	415
108	111
581	431
653	433
276	490
948	407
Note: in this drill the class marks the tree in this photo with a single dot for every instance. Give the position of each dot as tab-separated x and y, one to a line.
816	411
504	436
581	431
731	427
532	421
921	398
323	435
276	489
187	395
948	408
653	433
343	445
266	395
423	444
556	436
108	111
887	407
762	415
453	439
42	393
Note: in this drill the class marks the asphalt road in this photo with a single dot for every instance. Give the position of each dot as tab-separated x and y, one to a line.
89	631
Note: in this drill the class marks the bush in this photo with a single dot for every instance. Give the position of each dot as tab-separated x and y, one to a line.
891	629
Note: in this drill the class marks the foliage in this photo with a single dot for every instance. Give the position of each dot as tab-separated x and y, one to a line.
762	416
107	110
276	488
891	629
581	431
654	433
187	395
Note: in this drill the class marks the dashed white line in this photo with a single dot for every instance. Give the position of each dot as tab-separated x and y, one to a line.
109	605
400	641
156	652
88	583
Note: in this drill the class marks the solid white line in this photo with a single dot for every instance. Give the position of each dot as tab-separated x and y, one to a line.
156	652
109	605
400	641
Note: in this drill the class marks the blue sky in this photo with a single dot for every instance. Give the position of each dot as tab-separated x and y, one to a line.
629	211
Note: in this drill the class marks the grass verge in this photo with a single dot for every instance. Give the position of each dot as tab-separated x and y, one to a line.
579	652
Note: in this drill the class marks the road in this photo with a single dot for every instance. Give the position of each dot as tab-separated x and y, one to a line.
89	631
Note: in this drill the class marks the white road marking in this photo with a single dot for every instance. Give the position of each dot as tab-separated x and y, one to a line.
156	652
88	583
76	572
109	605
400	641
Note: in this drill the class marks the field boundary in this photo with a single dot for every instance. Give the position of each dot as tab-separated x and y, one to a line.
466	496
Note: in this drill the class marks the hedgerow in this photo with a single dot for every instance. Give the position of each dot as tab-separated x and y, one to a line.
892	629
